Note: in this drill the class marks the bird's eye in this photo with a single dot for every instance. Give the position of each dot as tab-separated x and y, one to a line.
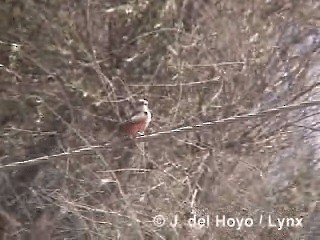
145	113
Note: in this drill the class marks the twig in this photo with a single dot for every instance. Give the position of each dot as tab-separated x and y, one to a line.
188	84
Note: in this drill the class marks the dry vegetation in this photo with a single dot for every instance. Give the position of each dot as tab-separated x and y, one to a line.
70	69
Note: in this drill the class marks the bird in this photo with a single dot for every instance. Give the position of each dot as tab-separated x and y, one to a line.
139	121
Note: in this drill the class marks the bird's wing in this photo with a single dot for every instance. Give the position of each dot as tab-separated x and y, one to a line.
138	116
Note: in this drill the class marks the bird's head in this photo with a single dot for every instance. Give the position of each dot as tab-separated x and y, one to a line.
142	102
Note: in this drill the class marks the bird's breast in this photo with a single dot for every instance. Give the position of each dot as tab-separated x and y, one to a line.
132	128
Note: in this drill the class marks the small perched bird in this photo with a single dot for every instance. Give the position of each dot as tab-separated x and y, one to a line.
139	120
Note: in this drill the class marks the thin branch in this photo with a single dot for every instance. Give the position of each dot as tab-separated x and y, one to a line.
126	170
188	84
215	64
224	121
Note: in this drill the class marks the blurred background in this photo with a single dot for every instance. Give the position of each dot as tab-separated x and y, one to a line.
70	70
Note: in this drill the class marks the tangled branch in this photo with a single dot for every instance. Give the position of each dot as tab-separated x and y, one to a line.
89	149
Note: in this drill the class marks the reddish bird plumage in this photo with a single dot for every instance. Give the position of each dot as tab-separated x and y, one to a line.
139	121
